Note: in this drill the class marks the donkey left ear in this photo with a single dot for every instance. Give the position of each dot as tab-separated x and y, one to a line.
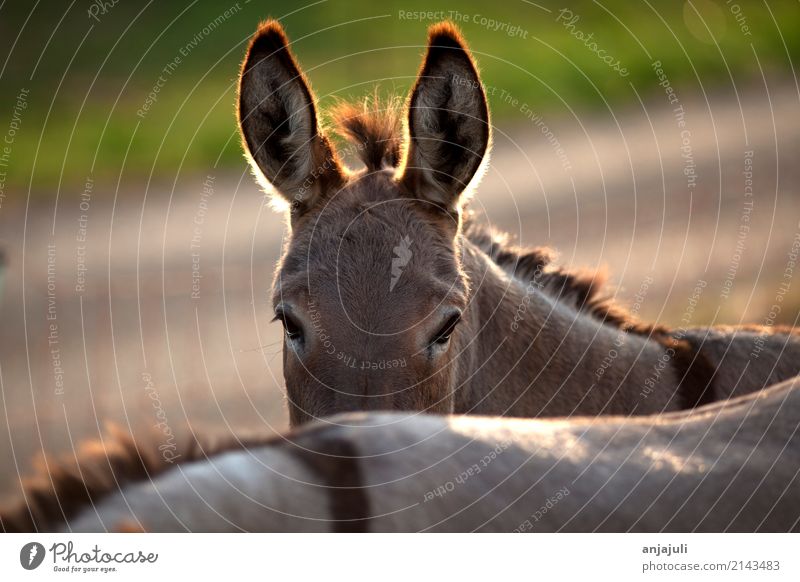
448	121
278	122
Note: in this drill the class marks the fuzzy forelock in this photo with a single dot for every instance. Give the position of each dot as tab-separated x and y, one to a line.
373	130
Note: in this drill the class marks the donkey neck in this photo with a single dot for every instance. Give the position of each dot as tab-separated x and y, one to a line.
528	353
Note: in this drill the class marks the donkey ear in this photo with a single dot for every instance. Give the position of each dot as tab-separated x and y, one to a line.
448	121
278	123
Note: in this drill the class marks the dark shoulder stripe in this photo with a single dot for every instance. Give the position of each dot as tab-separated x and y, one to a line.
696	386
335	461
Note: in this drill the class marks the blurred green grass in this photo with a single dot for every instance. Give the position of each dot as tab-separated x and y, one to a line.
89	77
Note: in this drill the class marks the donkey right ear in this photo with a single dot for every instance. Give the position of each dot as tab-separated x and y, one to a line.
448	122
278	123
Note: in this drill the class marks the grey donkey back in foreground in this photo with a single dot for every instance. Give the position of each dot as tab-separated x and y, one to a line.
730	466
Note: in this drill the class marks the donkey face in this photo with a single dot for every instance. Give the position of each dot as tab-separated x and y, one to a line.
370	288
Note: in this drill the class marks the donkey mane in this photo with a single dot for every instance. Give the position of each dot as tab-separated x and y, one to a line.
61	487
583	289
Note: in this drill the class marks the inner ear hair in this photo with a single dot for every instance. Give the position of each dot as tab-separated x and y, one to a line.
448	122
278	123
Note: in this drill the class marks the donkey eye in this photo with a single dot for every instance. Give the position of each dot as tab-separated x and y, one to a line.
443	335
292	329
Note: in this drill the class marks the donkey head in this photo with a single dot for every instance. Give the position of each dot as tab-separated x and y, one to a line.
370	289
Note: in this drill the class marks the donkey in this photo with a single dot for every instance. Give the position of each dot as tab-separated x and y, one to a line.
729	466
392	296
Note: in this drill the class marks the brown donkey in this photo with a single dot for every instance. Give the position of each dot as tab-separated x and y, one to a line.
393	298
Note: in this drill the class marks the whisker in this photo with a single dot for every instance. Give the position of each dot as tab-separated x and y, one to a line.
261	347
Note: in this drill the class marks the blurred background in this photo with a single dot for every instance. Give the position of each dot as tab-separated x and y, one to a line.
657	140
